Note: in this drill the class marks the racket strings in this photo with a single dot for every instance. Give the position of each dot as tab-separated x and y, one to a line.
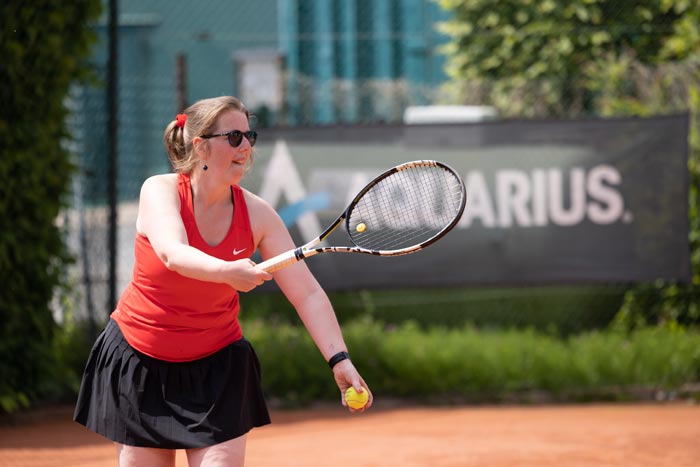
406	208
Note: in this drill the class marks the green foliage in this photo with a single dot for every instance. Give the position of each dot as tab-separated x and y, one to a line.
441	365
284	348
70	349
529	58
44	46
624	86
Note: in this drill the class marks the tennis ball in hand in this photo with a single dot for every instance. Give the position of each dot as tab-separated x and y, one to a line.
361	227
356	400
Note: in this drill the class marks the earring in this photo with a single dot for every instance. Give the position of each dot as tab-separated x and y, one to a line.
205	167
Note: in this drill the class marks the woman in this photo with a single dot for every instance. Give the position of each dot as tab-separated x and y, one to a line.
172	370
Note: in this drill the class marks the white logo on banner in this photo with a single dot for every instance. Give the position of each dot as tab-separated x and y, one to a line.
523	198
537	198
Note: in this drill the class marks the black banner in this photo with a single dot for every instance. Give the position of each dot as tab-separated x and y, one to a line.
549	202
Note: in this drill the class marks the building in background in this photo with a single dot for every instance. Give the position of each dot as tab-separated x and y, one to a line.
293	62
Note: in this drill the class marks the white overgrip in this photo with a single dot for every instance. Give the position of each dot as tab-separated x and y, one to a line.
278	262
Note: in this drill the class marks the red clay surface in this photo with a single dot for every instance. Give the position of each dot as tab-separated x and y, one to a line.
629	435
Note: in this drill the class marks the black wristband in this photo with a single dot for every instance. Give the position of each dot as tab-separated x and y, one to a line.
339	357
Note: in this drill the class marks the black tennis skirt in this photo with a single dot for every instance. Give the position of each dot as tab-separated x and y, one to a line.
137	400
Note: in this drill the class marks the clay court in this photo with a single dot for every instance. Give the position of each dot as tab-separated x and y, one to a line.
607	435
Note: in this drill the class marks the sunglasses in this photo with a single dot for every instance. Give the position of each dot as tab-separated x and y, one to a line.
236	136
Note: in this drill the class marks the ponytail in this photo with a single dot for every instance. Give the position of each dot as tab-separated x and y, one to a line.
176	146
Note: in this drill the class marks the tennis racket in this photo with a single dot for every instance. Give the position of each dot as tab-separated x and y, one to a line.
402	211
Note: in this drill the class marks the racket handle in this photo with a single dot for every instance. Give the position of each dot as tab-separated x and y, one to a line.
280	261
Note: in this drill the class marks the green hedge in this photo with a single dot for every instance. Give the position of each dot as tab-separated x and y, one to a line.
43	48
442	365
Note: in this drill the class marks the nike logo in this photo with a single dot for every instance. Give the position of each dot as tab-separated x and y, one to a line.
237	252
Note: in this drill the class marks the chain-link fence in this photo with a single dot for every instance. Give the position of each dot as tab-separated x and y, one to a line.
301	62
293	62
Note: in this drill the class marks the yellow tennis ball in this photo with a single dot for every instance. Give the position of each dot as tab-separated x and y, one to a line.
361	227
356	400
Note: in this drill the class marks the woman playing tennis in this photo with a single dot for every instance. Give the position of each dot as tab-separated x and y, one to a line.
172	369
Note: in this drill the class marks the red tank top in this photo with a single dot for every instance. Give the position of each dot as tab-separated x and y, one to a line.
171	317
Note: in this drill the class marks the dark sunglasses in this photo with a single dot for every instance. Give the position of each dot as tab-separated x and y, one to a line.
236	136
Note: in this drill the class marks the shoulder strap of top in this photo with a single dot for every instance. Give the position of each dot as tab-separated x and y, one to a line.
185	192
240	206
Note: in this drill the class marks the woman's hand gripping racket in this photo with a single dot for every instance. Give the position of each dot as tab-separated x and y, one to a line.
402	211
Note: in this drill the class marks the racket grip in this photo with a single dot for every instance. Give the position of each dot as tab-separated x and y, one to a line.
280	261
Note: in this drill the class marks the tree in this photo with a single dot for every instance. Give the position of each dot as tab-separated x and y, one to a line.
44	49
530	58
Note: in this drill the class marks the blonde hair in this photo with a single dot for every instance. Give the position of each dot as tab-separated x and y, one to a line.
201	118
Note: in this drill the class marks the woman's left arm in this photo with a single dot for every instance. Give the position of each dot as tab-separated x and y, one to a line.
304	292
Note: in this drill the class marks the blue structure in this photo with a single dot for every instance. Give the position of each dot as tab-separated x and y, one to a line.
364	57
293	62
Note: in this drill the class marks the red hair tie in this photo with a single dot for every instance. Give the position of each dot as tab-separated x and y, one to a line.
181	119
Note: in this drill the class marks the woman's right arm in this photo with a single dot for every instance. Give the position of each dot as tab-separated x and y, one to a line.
159	220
